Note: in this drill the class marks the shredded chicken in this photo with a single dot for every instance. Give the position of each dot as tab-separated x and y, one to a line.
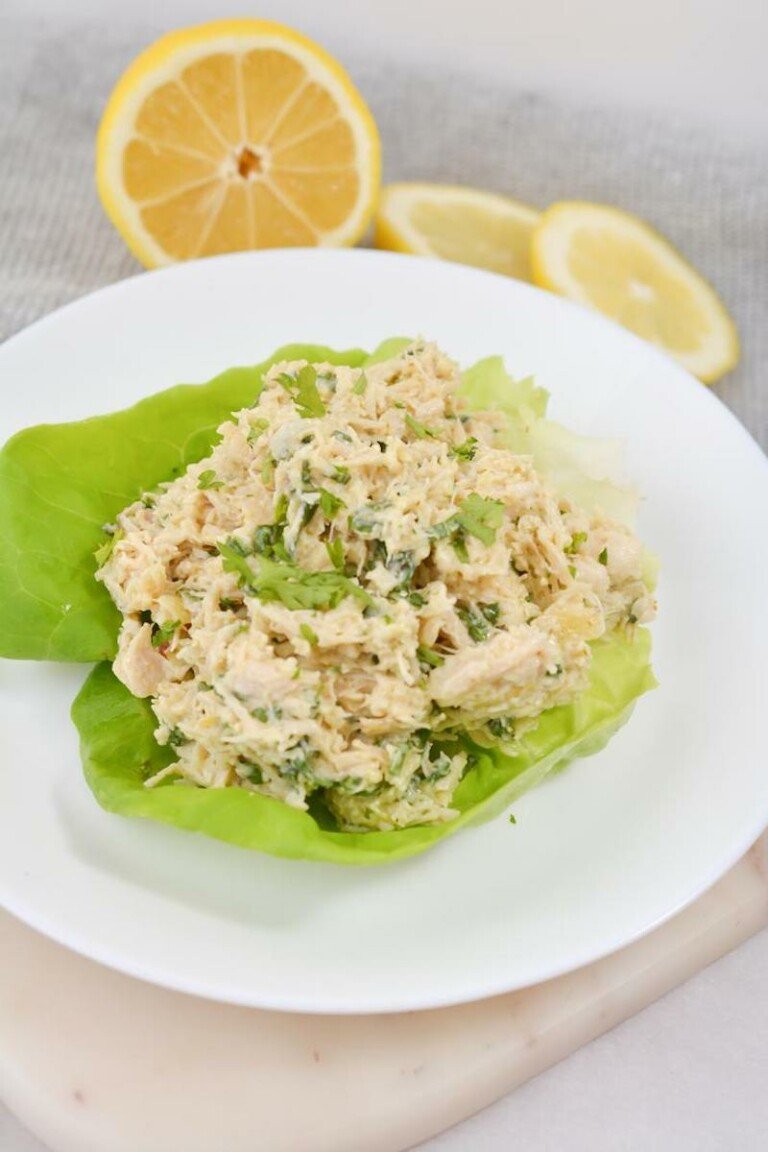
359	571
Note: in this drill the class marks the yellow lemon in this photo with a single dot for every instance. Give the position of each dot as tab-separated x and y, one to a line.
456	223
232	135
610	260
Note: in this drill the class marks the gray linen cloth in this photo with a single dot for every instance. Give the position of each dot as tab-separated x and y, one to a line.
704	189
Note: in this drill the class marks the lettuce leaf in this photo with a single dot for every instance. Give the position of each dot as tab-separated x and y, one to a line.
59	486
119	752
61	483
581	468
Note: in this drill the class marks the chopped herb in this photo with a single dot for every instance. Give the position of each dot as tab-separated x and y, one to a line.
148	500
344	436
577	540
163	633
603	557
402	565
465	451
290	585
416	599
512	818
340	474
307	512
428	658
105	550
256	429
267	470
254	773
260	714
478	627
503	728
228	605
207	479
360	384
299	766
302	388
491	612
335	550
481	517
477	516
309	634
176	738
419	430
366	519
281	509
572	570
329	504
459	544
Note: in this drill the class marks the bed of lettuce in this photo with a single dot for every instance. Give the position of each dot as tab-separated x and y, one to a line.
61	483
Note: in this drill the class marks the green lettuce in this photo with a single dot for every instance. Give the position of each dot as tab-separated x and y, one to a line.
61	484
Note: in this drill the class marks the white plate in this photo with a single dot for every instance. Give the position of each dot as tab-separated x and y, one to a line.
600	854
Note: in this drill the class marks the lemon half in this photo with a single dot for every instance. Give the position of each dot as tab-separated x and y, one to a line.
232	135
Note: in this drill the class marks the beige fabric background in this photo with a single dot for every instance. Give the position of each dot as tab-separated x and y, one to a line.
706	191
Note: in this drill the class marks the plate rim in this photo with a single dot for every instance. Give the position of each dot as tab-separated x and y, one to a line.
483	989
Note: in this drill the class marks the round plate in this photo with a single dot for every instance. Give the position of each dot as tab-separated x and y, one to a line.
600	854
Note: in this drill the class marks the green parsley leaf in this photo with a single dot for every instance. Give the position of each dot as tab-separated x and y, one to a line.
459	544
366	519
577	540
428	658
335	550
416	599
603	557
309	634
477	516
478	628
207	479
360	384
465	451
163	633
260	714
105	550
419	430
289	584
329	504
267	471
302	388
491	612
257	427
503	728
481	517
176	738
340	474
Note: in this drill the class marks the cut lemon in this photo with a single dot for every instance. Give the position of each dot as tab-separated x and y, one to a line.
232	135
461	224
610	260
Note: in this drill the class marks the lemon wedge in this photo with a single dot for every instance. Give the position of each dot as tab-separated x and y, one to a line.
456	223
611	261
232	135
